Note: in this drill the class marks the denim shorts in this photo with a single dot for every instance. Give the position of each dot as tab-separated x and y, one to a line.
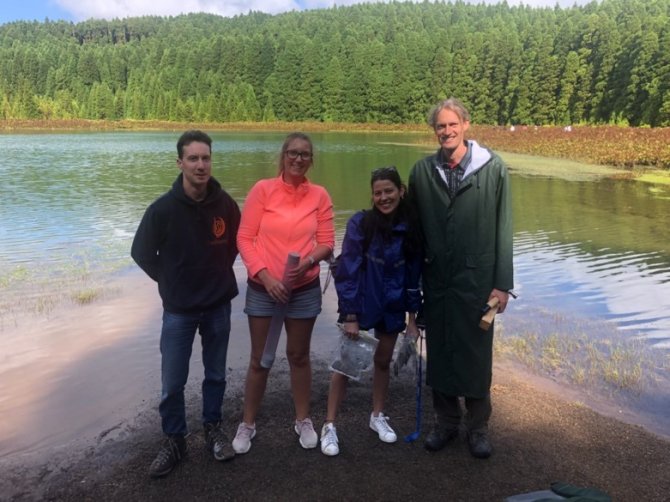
305	301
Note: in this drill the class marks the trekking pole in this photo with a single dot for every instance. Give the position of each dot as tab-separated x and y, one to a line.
278	315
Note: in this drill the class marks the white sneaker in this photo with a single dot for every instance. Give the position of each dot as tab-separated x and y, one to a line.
305	430
329	440
243	437
380	425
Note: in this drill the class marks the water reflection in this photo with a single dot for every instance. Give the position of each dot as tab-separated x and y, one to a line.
71	204
628	289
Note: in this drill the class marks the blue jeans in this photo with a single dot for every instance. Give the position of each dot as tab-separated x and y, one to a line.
177	337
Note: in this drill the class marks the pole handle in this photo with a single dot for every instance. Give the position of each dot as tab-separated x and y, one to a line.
491	311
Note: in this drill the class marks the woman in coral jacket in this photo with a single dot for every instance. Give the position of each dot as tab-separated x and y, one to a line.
282	215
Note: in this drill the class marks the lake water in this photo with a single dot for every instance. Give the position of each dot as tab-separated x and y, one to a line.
592	259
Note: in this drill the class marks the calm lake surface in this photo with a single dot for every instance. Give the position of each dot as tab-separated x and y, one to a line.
592	259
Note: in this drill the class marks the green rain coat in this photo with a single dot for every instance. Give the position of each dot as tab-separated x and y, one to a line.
468	253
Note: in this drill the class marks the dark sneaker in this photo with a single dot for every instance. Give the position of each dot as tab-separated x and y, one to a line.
217	442
479	444
439	437
172	451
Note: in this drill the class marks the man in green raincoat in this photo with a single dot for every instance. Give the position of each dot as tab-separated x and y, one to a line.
462	196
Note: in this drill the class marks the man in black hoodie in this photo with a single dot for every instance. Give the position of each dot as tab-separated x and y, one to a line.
186	242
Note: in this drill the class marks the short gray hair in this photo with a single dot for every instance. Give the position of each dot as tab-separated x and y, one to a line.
453	104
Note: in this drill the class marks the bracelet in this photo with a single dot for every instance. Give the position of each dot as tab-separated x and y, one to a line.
311	259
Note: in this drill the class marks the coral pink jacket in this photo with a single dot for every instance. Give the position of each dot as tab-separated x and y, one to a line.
279	218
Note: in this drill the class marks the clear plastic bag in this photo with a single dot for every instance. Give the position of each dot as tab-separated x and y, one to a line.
355	356
405	352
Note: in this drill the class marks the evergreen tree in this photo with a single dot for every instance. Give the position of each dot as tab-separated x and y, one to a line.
333	92
607	61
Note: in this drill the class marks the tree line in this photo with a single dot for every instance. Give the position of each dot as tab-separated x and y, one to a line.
606	62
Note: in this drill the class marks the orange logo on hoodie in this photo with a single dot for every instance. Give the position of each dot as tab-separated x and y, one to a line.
218	227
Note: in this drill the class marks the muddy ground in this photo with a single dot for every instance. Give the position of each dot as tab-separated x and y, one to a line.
539	437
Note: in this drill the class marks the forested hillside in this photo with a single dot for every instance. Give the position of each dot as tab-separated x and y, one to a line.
606	62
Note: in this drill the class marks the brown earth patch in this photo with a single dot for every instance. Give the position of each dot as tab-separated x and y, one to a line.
539	437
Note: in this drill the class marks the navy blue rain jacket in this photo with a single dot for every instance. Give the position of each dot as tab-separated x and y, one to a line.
377	285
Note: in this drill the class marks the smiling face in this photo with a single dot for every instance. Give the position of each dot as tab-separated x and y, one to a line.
296	161
386	196
450	132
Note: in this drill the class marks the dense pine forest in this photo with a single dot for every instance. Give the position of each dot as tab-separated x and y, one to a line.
606	62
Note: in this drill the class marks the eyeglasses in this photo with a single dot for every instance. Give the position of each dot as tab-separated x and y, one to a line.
294	154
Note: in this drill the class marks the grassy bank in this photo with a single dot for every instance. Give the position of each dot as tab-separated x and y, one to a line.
158	125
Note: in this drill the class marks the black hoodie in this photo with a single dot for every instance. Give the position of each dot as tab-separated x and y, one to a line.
189	247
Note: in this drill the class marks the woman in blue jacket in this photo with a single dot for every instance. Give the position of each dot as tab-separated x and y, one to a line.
377	282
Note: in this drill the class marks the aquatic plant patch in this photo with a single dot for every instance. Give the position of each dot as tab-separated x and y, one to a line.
608	145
